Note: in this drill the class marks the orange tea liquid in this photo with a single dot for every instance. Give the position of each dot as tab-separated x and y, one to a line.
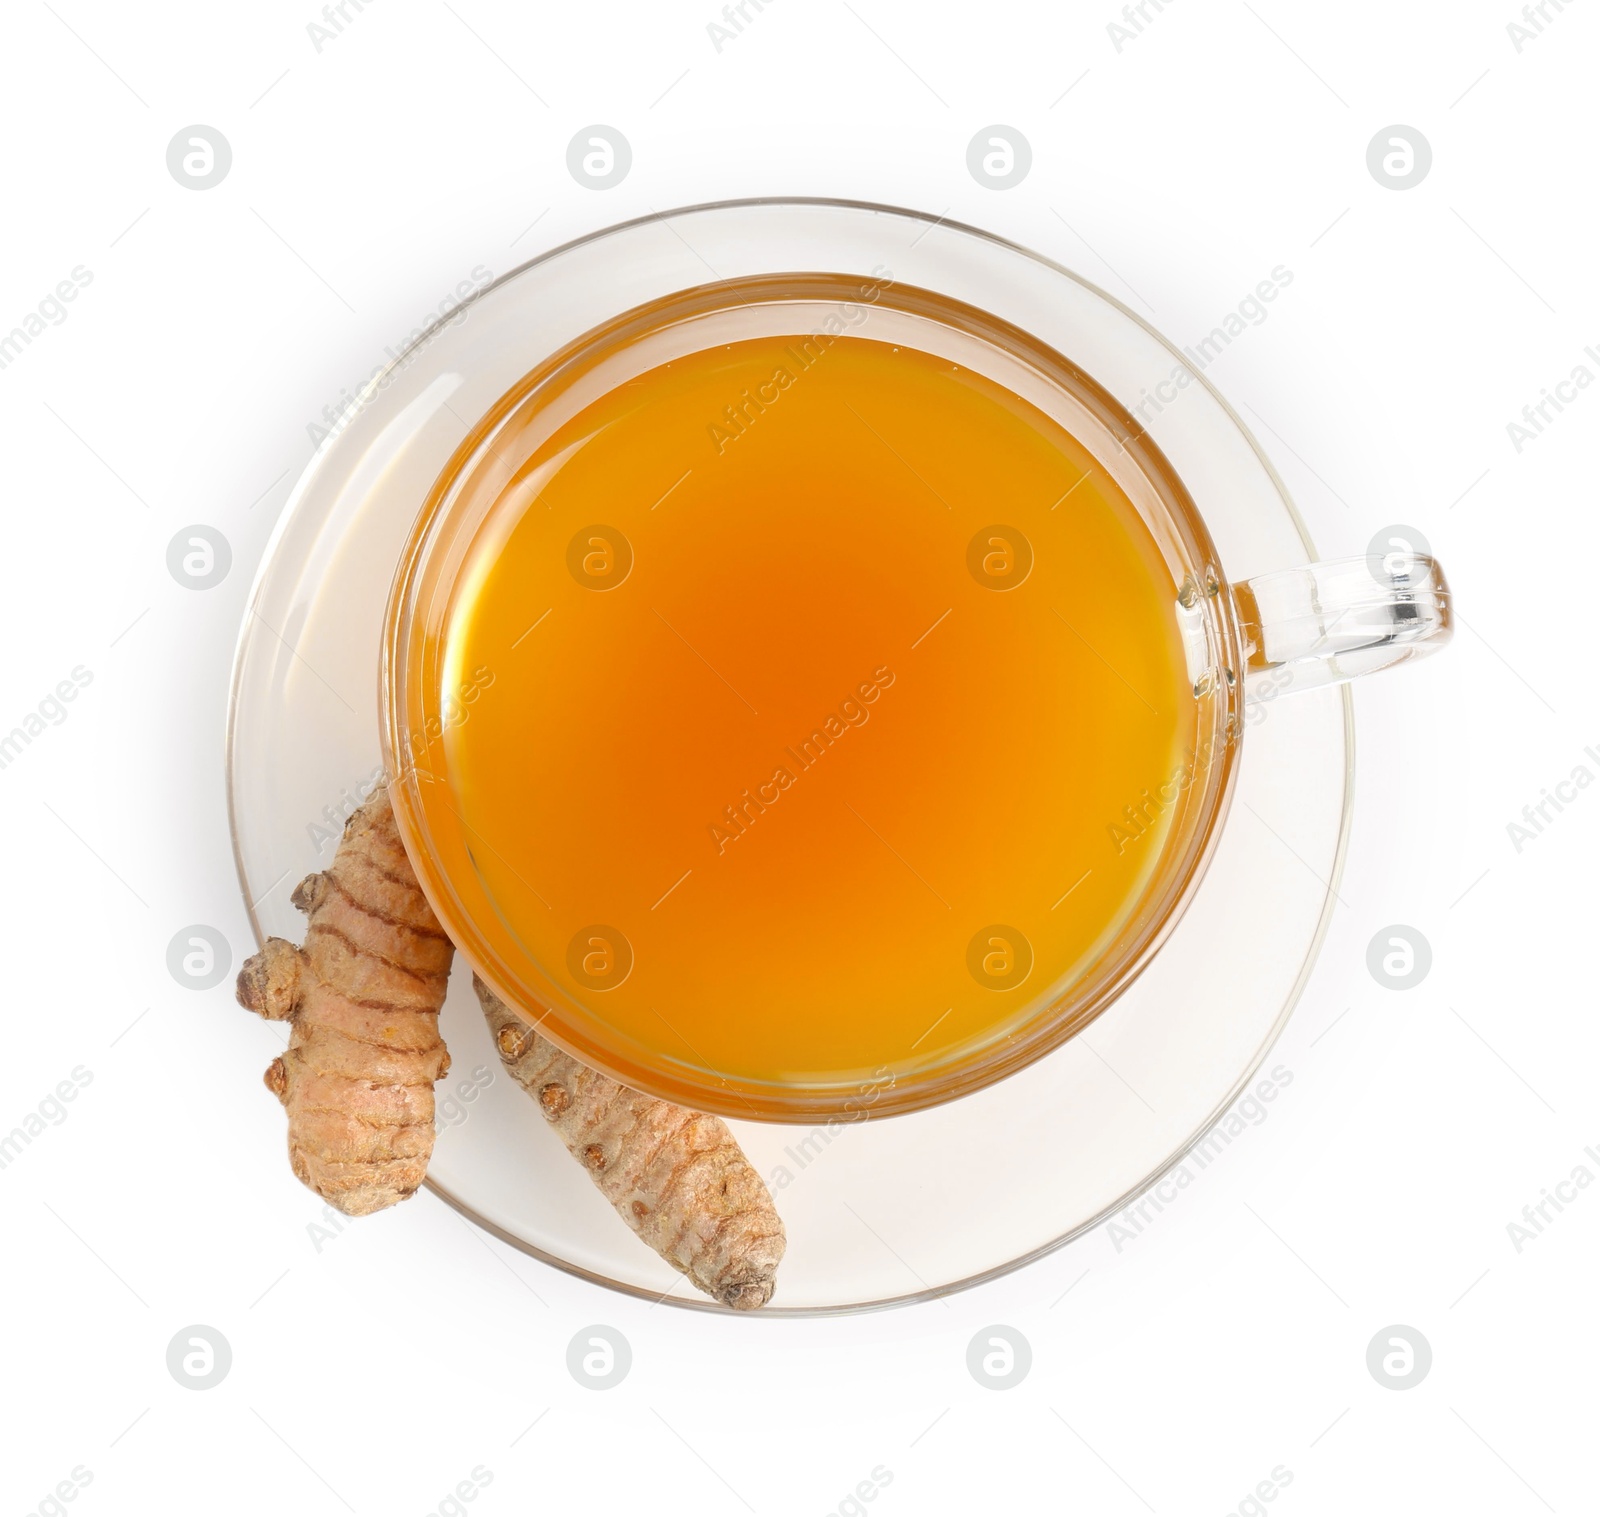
818	693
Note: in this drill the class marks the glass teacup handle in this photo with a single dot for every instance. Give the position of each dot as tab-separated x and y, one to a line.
1322	624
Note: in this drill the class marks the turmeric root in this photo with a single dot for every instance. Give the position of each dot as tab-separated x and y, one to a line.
362	998
678	1178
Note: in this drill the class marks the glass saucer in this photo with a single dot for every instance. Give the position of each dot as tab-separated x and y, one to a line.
878	1212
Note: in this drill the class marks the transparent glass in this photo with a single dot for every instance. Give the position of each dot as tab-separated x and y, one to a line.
1326	623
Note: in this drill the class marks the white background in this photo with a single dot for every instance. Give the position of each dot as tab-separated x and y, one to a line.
1170	1375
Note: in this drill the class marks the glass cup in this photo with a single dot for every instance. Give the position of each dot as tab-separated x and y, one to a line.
1246	642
